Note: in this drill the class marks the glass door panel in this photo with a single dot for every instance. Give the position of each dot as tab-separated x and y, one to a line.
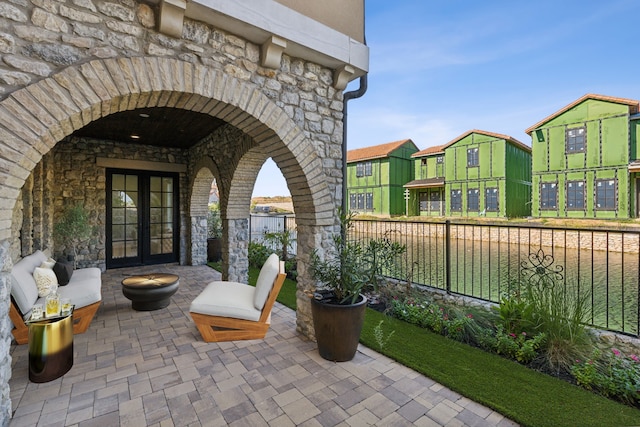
124	216
161	217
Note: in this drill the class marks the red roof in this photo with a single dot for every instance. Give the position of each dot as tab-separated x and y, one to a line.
436	149
440	148
376	151
632	103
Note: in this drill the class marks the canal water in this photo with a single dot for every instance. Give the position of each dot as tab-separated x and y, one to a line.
609	282
486	267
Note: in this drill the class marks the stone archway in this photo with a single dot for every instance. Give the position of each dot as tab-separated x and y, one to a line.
35	118
206	172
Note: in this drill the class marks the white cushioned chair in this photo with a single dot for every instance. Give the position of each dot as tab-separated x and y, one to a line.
230	311
84	289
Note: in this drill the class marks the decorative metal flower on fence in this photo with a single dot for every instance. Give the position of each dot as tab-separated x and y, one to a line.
540	271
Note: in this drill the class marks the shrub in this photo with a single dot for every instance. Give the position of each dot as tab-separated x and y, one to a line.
72	228
521	347
613	374
258	254
560	317
281	241
443	320
515	313
214	223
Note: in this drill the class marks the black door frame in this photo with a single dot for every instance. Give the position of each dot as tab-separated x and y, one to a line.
144	246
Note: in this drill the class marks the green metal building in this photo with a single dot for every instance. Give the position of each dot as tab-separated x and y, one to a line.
585	160
376	175
469	177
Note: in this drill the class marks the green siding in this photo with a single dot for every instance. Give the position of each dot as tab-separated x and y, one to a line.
389	174
430	168
518	182
608	148
427	167
501	165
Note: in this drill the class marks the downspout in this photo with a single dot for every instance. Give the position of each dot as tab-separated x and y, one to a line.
348	96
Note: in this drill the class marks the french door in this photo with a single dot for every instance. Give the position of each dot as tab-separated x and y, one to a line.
142	218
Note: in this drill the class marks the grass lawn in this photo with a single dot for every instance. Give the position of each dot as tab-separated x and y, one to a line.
521	394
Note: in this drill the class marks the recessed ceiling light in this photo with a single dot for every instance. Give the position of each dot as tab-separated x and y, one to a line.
135	136
144	115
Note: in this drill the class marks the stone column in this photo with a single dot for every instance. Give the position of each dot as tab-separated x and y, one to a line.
236	236
5	332
198	240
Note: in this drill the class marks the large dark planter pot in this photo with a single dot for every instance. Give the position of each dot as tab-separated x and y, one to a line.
338	328
214	249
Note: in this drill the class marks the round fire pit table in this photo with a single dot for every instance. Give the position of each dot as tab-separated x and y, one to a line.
149	292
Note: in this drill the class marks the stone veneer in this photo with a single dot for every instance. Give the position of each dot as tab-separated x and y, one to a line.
67	63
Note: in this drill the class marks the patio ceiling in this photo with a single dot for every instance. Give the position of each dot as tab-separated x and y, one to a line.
160	126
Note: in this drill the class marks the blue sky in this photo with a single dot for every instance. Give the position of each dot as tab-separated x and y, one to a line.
441	67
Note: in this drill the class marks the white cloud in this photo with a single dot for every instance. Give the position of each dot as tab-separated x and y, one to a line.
373	126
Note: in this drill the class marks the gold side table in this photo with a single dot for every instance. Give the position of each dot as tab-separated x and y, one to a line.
50	347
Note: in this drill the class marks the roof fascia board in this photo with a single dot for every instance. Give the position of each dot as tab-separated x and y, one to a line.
258	20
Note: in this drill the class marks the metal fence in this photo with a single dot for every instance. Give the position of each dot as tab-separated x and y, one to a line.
259	224
486	261
598	266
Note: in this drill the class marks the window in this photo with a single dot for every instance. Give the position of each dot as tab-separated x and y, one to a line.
424	201
435	201
605	193
440	159
548	195
491	199
575	139
575	195
361	201
473	199
472	157
363	169
456	200
368	201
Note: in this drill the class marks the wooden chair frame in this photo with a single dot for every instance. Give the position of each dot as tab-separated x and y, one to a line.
220	328
82	318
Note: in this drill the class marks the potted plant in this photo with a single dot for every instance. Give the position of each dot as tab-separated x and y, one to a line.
72	229
214	234
338	304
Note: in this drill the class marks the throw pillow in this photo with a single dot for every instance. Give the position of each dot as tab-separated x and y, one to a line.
49	263
63	272
46	281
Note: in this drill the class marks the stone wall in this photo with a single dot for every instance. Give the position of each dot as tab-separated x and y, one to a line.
71	165
69	62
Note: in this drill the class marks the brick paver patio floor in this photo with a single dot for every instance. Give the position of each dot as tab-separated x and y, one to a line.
152	368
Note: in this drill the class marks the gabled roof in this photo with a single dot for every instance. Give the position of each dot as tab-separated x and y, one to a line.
632	103
436	149
376	151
